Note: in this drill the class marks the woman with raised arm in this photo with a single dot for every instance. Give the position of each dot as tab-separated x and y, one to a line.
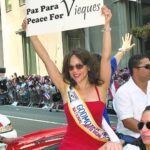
84	95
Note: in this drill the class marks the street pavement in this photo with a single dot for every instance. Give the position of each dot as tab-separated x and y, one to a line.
29	119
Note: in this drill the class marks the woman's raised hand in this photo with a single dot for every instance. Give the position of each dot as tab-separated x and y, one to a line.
24	24
107	14
127	42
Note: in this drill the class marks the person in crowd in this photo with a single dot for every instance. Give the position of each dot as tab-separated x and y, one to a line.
56	98
132	97
3	87
14	76
142	143
84	96
46	96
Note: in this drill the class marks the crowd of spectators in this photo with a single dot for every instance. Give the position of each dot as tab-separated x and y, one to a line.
32	90
119	78
39	91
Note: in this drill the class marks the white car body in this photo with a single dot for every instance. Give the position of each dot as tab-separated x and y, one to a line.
6	130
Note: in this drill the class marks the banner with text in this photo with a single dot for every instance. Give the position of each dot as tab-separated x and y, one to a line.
45	16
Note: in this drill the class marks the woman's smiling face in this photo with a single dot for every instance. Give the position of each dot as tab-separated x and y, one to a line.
145	132
78	71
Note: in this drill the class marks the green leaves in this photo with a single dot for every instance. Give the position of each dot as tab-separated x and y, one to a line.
141	32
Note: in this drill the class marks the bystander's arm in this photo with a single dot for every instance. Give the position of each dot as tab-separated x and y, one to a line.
118	56
131	124
126	46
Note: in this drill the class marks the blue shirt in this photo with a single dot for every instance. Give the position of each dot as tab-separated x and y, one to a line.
113	69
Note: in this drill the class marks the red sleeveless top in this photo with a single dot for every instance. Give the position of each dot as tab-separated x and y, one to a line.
75	138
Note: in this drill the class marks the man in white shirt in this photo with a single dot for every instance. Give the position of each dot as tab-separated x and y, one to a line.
132	97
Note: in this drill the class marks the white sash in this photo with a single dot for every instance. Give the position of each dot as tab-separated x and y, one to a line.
112	135
83	117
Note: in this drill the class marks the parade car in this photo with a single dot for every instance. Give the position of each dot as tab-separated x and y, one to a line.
47	139
6	130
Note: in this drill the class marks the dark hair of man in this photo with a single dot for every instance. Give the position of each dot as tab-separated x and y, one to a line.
134	61
87	59
97	56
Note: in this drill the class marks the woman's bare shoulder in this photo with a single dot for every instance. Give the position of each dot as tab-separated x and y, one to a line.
103	93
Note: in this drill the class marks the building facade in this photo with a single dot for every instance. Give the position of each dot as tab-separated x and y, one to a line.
17	51
1	43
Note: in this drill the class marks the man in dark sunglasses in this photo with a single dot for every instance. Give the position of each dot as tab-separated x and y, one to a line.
146	66
132	97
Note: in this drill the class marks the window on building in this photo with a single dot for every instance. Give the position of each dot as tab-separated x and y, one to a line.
73	39
146	11
21	2
146	21
29	56
140	16
8	4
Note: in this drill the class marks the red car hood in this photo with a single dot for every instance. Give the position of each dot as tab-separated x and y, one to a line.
38	140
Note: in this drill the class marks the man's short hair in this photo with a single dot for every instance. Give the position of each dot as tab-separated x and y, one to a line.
134	61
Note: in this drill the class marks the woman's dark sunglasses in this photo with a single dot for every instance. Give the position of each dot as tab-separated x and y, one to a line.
141	125
147	66
77	66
